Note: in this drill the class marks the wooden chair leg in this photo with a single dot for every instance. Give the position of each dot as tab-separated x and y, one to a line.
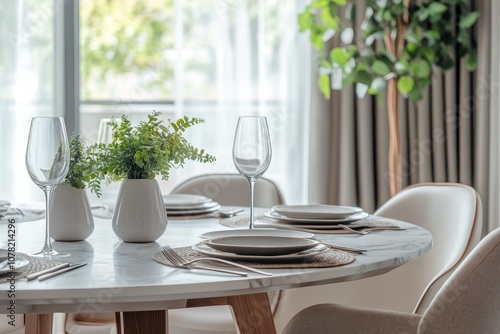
143	322
38	323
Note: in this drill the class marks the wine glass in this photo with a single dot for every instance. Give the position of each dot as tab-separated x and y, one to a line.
252	151
47	162
105	135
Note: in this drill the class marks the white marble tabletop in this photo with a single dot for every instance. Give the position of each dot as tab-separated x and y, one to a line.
124	277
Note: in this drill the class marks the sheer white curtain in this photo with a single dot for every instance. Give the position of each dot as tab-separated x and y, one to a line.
27	88
260	64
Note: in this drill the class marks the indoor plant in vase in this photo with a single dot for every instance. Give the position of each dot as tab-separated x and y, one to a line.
396	50
70	215
136	155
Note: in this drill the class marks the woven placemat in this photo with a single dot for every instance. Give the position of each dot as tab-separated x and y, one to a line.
36	264
328	258
366	224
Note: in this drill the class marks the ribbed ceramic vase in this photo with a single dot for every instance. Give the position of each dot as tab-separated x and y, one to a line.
70	214
139	214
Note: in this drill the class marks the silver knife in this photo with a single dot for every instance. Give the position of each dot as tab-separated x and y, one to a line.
63	270
346	249
46	271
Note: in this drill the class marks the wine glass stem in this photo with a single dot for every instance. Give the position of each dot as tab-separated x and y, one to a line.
47	247
252	186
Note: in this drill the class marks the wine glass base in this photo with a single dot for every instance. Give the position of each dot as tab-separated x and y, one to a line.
257	223
51	253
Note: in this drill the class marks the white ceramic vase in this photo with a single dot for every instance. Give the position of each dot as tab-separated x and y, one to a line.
70	215
139	214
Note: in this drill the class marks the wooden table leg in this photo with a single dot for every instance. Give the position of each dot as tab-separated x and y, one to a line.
143	322
38	323
252	312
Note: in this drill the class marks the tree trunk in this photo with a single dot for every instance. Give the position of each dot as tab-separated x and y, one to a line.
394	138
395	46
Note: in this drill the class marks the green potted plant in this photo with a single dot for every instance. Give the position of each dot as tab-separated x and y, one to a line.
71	217
135	156
417	38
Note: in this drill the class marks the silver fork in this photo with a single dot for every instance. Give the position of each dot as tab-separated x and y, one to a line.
375	228
176	262
179	260
347	228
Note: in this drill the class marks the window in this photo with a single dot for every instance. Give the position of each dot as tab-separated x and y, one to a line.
212	59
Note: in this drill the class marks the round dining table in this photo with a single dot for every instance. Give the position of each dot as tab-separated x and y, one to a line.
123	277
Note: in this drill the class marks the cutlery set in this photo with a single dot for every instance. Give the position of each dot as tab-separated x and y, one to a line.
179	261
54	271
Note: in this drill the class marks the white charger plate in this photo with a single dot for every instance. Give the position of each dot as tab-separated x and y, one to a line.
184	200
257	232
203	248
193	211
316	211
261	245
20	263
294	221
323	227
205	205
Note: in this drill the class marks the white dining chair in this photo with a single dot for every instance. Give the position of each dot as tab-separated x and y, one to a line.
468	302
451	212
232	190
227	190
6	328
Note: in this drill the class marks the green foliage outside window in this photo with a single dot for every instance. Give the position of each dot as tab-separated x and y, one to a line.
121	37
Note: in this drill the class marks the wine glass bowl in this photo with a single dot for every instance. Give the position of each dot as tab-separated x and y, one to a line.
105	135
252	152
47	162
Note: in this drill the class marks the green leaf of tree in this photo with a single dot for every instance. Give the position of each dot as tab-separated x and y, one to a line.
420	68
339	56
324	85
305	20
471	62
401	66
363	77
468	20
380	68
436	8
317	41
405	84
328	20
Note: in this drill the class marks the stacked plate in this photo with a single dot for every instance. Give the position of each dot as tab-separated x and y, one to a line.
316	216
189	205
262	245
4	205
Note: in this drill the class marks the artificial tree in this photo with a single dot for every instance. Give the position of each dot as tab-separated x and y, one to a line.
418	36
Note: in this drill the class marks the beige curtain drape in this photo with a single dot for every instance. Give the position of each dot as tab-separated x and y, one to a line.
445	137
